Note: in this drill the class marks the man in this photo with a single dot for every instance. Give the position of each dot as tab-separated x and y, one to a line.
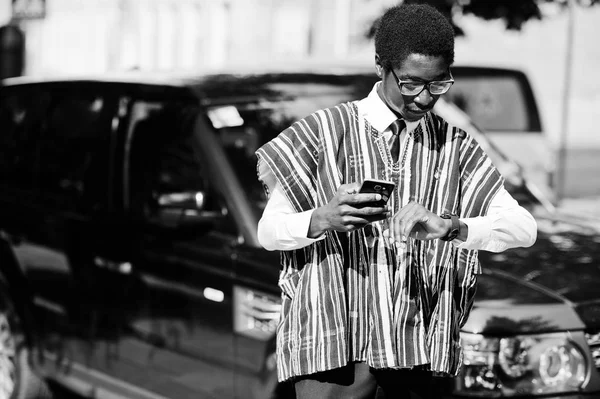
374	296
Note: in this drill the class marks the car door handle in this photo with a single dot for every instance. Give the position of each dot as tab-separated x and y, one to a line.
119	267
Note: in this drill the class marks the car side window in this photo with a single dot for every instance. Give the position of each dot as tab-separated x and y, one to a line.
167	178
73	164
21	118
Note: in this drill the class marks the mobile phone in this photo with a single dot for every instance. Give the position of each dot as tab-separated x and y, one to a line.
383	187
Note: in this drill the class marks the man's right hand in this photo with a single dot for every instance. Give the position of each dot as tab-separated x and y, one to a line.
347	211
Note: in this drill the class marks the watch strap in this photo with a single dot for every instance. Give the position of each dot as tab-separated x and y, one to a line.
454	228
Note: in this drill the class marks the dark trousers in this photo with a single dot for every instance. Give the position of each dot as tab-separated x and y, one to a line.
359	381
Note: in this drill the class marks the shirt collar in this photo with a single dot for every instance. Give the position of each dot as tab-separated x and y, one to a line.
378	114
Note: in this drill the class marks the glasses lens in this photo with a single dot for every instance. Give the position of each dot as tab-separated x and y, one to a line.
437	88
411	88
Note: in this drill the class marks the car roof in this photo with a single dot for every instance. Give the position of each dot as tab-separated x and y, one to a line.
197	77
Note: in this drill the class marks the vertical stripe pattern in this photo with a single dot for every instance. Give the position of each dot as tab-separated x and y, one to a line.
354	296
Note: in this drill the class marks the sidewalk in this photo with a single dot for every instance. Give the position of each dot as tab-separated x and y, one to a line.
582	188
584	210
589	206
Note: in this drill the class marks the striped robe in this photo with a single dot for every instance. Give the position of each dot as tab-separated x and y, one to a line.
354	296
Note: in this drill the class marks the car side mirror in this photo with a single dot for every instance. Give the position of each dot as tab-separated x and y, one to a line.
186	210
183	200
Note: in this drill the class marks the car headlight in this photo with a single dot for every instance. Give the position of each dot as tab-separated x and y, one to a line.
255	313
521	365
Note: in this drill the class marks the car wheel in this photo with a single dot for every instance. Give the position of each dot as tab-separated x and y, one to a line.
17	381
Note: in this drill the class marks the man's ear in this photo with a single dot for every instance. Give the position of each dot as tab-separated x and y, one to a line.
378	66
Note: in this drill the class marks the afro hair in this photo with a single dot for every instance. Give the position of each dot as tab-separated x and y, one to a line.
413	29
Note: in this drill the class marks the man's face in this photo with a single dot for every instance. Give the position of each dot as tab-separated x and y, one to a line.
417	68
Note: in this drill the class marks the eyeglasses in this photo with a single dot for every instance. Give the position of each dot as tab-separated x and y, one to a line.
414	88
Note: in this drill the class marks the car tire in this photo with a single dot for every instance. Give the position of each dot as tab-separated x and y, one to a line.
17	380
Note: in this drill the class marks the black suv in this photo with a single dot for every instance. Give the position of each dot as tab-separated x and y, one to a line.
130	266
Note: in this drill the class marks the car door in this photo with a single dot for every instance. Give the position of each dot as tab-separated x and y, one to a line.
59	204
176	260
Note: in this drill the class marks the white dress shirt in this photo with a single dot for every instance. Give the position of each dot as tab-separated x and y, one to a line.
506	225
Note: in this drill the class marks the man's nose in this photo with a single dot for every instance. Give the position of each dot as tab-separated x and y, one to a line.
424	97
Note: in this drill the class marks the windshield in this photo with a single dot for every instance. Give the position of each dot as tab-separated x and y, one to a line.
246	124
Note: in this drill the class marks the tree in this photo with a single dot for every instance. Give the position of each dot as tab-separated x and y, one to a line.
514	13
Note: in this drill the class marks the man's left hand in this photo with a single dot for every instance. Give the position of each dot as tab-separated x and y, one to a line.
414	221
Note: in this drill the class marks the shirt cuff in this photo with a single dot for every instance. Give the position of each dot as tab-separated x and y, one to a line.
480	229
480	236
297	225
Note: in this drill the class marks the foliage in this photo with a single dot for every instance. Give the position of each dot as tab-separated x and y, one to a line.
515	13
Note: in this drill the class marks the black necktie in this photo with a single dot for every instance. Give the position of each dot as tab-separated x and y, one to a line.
396	127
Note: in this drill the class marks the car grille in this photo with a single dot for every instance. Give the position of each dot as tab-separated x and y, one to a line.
593	341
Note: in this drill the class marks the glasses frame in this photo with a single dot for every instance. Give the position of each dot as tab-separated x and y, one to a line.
426	85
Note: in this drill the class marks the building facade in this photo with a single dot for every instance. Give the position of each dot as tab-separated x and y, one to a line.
94	36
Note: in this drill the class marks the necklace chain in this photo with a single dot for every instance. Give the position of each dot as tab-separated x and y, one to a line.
405	151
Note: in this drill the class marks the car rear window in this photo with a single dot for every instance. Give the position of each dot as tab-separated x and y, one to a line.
499	101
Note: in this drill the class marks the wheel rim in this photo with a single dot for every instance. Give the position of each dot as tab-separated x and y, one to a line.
8	378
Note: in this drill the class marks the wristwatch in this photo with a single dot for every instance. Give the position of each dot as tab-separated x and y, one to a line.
454	229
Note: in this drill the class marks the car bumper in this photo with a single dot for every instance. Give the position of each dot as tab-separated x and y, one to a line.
594	395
